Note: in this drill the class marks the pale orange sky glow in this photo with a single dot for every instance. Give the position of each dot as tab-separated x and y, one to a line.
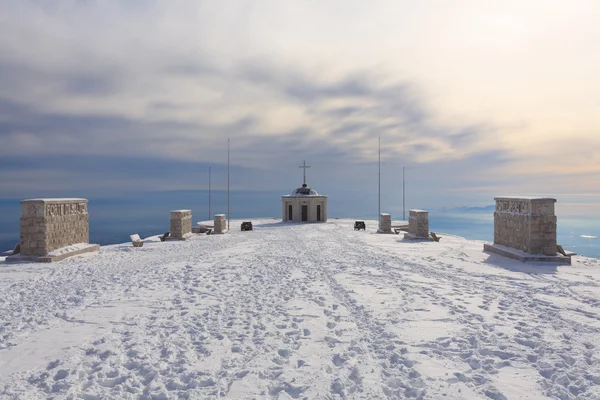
507	89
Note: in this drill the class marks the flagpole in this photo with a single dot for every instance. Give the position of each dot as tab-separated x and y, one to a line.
379	184
209	214
403	197
228	209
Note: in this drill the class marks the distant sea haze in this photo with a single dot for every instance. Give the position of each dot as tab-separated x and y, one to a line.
112	220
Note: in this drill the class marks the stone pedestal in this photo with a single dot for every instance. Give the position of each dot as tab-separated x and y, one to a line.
53	229
418	225
385	223
181	224
220	224
525	229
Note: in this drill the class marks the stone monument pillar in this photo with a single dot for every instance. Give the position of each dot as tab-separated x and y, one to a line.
525	229
220	224
385	223
53	229
418	225
181	224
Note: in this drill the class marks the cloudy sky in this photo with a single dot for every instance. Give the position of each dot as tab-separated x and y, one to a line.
475	98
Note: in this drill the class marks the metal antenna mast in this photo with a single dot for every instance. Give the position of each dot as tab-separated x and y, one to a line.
379	185
228	209
403	197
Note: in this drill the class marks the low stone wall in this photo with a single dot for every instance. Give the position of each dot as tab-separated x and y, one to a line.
385	223
181	224
418	223
51	224
220	224
526	224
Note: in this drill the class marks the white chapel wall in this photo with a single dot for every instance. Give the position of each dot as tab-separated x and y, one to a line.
298	202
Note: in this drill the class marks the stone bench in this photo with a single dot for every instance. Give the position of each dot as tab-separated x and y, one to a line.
434	236
399	228
201	228
136	241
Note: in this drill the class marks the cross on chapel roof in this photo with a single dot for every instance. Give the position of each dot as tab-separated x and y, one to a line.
304	166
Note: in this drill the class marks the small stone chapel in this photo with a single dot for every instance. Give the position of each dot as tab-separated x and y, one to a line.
304	204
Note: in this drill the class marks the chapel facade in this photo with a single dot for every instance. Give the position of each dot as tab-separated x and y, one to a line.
304	204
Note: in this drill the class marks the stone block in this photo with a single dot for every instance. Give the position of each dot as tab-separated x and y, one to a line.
385	223
418	223
220	224
51	224
526	224
181	224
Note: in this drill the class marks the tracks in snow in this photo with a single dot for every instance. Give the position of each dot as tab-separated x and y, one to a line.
302	312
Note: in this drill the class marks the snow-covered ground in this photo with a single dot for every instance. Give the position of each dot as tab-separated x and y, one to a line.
299	311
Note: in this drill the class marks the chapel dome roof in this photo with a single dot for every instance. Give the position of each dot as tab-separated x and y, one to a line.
305	191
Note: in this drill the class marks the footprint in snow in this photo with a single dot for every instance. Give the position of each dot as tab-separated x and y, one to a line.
285	353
